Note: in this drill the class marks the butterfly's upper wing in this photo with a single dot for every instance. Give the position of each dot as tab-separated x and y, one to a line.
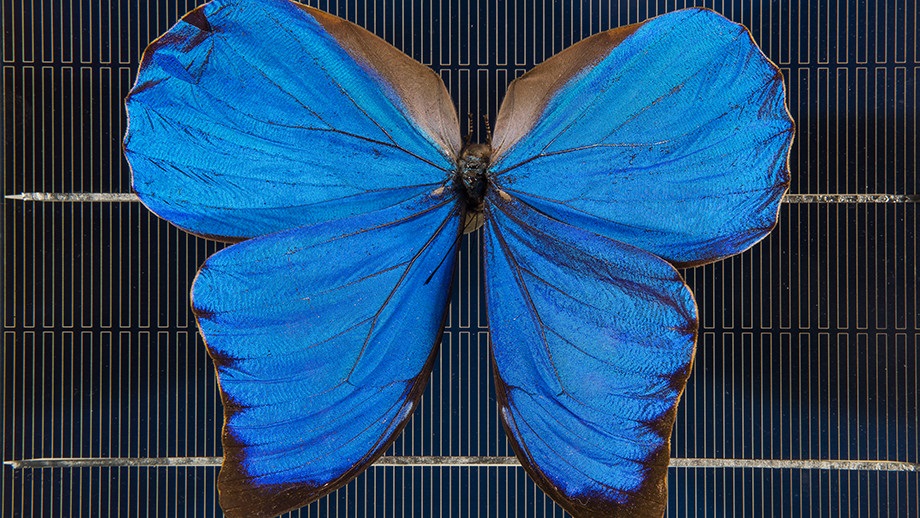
671	135
323	338
592	343
253	116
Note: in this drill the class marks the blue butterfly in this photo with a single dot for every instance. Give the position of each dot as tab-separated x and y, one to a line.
338	162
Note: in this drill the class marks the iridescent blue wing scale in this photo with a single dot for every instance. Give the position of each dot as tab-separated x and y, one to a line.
323	338
660	142
271	120
592	343
656	143
250	117
671	135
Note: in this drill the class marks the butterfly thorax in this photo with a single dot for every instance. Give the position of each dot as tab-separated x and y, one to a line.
472	180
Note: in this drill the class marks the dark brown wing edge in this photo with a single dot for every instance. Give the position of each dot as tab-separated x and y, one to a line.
528	95
243	499
246	500
651	499
419	89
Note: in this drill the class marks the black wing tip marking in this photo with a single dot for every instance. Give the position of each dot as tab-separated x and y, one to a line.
221	361
171	38
239	497
202	313
649	500
197	18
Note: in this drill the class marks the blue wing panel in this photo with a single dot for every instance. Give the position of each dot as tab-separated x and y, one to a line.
592	341
675	142
249	117
323	339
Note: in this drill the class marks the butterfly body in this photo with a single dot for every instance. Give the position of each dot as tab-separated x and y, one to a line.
471	181
623	156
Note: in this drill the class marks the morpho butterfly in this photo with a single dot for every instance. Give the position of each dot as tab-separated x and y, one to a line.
338	162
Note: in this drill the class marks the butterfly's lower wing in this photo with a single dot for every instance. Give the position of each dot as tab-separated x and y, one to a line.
323	338
592	342
671	135
253	116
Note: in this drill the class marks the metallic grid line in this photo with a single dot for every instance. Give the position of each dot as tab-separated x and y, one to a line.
474	462
123	197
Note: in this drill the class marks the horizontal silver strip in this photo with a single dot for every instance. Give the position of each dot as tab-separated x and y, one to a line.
121	197
851	198
475	462
76	197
